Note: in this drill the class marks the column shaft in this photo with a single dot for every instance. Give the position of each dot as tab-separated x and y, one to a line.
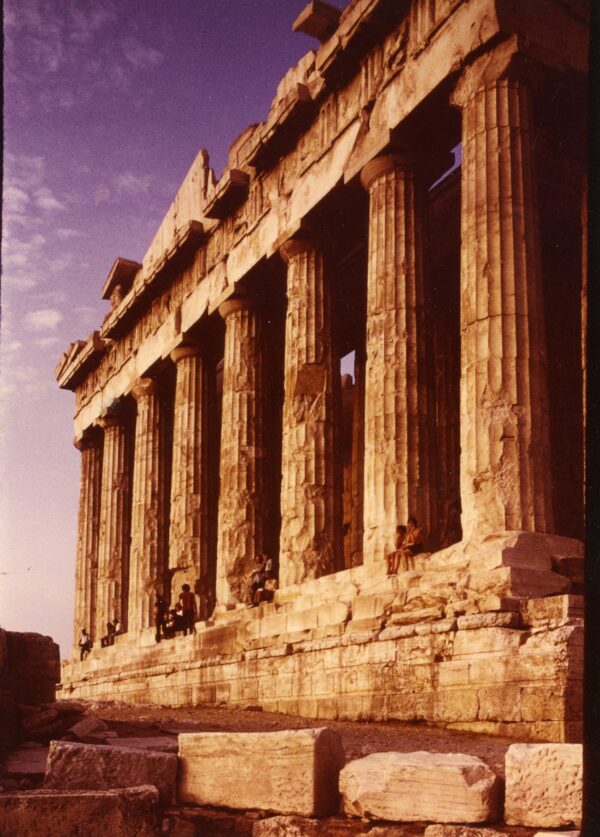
147	564
505	463
311	499
113	550
241	497
396	436
188	533
86	569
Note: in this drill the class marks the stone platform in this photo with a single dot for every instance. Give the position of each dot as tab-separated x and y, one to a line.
482	636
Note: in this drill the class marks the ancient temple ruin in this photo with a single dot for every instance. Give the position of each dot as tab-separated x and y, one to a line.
374	313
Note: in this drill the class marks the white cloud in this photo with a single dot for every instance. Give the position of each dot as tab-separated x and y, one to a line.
46	200
140	56
67	232
128	183
45	342
42	319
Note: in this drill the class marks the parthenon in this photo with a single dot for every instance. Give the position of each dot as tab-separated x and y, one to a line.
375	313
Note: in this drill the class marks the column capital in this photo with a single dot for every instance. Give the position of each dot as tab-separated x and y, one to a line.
88	439
299	244
506	61
185	350
235	303
144	388
400	160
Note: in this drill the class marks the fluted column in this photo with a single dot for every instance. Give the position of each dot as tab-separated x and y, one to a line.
311	538
241	496
188	533
147	564
115	503
396	437
505	461
86	568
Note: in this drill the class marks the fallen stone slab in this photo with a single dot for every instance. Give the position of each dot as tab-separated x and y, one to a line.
159	743
544	784
68	707
459	831
87	726
71	813
290	771
27	762
285	826
576	833
85	766
415	787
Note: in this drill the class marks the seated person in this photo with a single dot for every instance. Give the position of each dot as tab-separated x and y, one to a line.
393	558
414	544
257	579
110	635
266	593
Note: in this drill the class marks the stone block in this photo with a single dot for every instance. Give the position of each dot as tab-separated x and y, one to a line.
488	620
87	726
86	767
71	813
460	831
291	772
551	611
26	762
487	641
414	787
544	785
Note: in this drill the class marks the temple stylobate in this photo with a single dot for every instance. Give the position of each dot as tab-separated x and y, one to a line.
373	315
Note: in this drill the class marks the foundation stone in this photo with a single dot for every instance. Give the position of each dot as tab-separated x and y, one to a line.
61	813
292	772
412	787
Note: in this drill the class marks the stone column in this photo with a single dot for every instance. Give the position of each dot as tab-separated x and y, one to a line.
147	564
505	461
115	504
311	537
188	533
396	437
241	497
86	568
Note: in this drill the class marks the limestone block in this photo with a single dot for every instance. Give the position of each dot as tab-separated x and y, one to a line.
26	762
287	827
86	767
292	772
488	620
544	785
487	641
551	611
412	787
460	831
60	813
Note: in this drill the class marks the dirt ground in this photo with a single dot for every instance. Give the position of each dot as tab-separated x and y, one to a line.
359	737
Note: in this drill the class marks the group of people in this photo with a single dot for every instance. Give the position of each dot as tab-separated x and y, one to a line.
180	616
85	640
262	582
410	541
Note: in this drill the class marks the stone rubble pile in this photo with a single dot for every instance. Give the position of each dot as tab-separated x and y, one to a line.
293	783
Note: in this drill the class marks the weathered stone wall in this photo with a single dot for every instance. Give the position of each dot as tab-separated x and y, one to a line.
419	646
29	672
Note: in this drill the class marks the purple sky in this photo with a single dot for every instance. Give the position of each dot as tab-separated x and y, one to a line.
106	104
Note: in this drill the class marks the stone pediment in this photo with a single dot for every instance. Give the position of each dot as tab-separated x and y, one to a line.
75	363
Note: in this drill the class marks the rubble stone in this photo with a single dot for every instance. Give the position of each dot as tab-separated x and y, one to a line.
412	787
